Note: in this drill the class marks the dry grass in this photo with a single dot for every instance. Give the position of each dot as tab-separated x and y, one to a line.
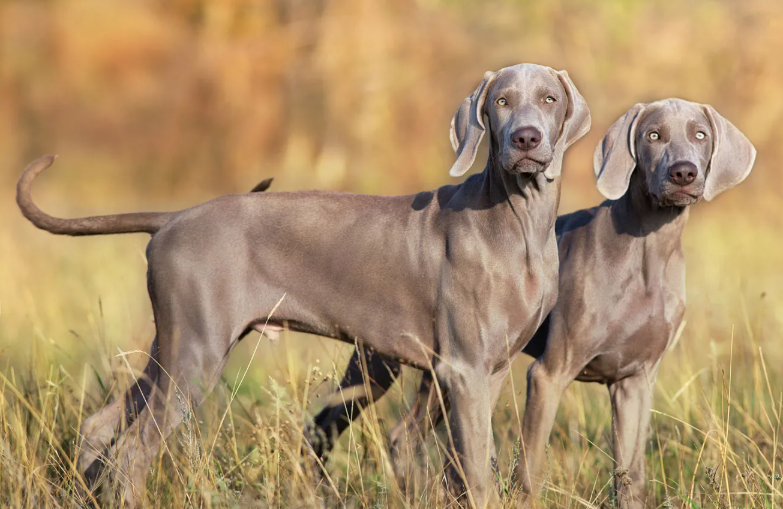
70	305
165	104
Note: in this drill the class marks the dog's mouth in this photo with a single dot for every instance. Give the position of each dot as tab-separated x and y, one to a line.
680	198
529	164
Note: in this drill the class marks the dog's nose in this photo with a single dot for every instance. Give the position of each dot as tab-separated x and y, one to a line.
526	138
682	174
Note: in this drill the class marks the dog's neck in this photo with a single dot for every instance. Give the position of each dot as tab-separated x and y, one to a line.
640	218
531	199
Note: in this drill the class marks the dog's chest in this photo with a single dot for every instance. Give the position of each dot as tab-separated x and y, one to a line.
532	295
640	329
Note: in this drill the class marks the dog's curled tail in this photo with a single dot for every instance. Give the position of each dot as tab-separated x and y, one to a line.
147	222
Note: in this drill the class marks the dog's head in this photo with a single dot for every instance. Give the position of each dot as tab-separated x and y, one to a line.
685	151
533	114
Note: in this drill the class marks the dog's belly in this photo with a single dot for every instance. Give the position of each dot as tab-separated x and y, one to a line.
397	323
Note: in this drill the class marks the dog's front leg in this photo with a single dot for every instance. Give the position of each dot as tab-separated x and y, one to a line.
470	431
631	403
547	379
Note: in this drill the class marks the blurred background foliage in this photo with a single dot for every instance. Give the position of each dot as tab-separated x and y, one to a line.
161	99
155	104
162	104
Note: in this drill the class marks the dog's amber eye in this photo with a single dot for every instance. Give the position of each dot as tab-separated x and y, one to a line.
550	99
654	136
501	102
700	135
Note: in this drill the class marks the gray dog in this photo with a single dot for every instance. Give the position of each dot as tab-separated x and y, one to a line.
443	279
621	296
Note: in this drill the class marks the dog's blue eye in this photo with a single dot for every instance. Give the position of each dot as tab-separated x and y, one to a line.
700	135
501	102
550	99
654	136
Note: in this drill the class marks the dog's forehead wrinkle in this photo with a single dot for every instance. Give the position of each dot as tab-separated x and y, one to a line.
664	117
655	114
527	77
679	109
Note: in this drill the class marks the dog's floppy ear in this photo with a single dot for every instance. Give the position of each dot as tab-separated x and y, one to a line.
732	155
615	157
575	125
467	126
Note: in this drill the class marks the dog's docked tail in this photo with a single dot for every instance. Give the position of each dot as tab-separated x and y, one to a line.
146	222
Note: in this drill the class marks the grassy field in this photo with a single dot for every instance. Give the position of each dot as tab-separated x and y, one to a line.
71	308
161	105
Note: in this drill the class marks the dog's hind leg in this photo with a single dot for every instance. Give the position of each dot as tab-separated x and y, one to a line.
405	439
187	377
99	431
370	371
195	333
